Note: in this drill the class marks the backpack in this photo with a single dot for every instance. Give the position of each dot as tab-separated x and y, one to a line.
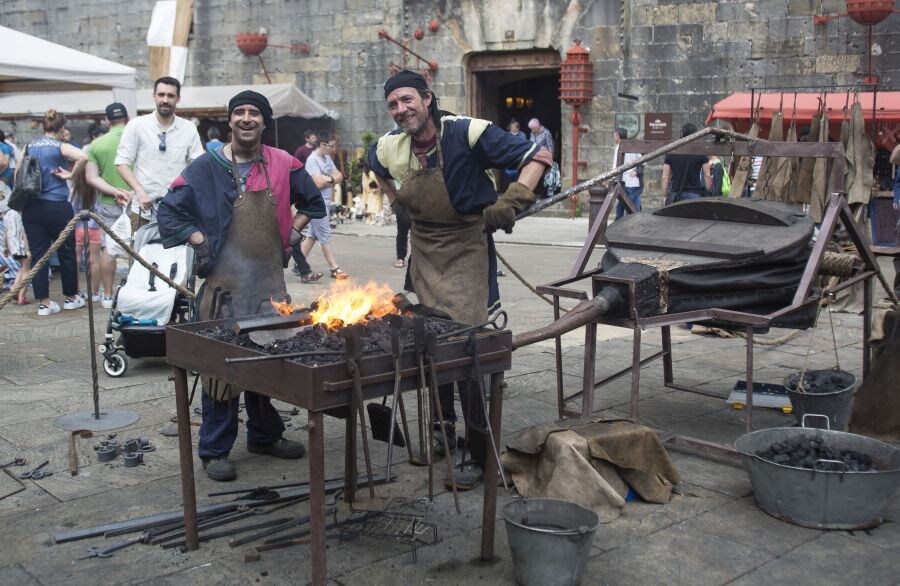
28	183
726	181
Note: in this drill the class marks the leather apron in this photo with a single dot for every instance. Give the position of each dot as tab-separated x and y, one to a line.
248	270
449	264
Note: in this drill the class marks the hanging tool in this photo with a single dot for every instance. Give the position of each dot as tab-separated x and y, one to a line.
396	323
476	371
351	335
429	352
498	323
424	396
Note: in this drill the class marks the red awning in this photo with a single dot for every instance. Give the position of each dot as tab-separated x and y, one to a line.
737	106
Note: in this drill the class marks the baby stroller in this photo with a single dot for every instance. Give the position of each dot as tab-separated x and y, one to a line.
144	304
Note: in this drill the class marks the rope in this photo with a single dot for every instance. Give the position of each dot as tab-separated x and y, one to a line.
64	235
838	265
524	282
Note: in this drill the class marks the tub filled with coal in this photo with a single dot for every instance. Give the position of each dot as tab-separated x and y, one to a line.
821	478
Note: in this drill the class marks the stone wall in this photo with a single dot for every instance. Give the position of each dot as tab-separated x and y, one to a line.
677	56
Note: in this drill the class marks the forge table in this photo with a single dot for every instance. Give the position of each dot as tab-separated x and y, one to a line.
325	387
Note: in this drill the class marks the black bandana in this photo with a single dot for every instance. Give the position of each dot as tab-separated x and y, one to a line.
251	98
405	78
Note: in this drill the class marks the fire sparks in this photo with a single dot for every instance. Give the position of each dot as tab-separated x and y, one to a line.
344	304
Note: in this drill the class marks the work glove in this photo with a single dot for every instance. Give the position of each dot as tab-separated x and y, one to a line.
501	215
293	249
202	258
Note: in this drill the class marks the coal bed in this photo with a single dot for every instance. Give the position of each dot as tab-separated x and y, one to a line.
821	381
805	452
375	339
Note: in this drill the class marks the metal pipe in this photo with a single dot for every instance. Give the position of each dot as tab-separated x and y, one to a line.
582	314
603	177
95	385
186	459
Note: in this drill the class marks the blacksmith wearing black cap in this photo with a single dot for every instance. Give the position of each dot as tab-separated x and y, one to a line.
443	163
222	206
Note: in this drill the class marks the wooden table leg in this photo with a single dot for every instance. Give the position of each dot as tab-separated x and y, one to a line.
319	569
492	471
186	457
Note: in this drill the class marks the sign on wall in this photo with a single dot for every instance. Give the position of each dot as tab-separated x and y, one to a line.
657	126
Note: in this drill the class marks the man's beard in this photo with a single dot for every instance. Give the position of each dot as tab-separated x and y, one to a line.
414	124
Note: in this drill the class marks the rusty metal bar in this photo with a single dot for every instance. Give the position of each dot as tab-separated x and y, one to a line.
318	561
271	322
491	470
186	458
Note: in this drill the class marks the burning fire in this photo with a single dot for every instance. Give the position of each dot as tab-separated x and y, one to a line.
345	303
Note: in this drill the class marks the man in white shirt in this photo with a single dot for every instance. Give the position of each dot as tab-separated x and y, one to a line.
630	179
159	146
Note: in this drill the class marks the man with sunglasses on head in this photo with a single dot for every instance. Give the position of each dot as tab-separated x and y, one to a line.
157	146
233	206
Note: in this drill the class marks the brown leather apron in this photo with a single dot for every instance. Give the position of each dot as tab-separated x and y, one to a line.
248	270
449	266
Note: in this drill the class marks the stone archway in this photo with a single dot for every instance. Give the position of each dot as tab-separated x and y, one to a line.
533	75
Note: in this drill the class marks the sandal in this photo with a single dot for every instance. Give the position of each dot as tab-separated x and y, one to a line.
399	263
339	273
310	277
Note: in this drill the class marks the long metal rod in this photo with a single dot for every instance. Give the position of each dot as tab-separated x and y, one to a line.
95	384
186	460
603	177
433	393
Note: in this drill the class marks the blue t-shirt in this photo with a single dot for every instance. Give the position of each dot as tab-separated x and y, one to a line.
7	175
46	151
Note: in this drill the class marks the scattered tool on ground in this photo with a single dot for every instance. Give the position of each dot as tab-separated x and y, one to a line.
36	473
105	552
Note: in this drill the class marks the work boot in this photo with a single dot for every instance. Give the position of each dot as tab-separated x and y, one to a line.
281	448
467	478
437	440
219	469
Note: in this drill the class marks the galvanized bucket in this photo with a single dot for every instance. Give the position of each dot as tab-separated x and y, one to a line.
836	405
818	498
550	540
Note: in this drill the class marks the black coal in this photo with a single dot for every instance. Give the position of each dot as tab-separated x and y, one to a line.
375	339
821	381
804	452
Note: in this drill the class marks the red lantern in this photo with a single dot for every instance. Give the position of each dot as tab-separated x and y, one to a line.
576	76
252	44
419	34
434	25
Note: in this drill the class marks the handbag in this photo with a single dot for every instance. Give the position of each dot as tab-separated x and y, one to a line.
28	183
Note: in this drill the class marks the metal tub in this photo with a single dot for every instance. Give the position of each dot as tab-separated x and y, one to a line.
818	498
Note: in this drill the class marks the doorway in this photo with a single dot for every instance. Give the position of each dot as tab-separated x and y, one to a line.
520	85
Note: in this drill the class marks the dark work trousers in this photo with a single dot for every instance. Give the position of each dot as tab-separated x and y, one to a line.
300	263
897	258
472	403
220	423
403	226
44	221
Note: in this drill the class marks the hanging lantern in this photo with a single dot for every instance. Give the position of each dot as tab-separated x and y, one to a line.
869	12
576	76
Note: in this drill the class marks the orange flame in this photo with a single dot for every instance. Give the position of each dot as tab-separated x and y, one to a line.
344	304
284	308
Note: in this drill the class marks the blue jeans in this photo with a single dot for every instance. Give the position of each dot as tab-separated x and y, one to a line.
634	194
44	221
690	195
220	423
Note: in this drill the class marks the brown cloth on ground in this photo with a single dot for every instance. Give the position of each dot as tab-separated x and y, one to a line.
803	186
876	406
821	171
739	183
589	463
764	187
858	177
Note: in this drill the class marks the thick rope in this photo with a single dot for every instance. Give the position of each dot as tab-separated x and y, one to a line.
64	235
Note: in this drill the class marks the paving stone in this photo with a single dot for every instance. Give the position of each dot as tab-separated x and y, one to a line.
711	475
16	574
743	522
680	554
833	557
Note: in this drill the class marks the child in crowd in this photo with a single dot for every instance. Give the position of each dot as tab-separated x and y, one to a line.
14	241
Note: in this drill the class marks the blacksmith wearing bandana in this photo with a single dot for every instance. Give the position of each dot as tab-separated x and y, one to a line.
443	163
234	208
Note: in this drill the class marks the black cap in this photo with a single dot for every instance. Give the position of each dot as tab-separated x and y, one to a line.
251	98
116	111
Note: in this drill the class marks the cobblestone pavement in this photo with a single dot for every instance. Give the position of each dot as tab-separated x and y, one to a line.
711	533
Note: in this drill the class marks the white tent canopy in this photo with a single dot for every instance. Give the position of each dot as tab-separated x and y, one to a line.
286	100
34	67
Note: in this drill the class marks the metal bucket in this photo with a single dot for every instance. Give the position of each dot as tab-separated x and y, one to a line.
550	540
836	405
818	498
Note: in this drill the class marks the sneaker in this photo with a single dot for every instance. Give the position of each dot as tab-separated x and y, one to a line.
106	302
399	263
53	307
282	448
75	302
467	478
96	297
219	469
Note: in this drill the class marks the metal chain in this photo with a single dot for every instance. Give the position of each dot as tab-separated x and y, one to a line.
837	362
